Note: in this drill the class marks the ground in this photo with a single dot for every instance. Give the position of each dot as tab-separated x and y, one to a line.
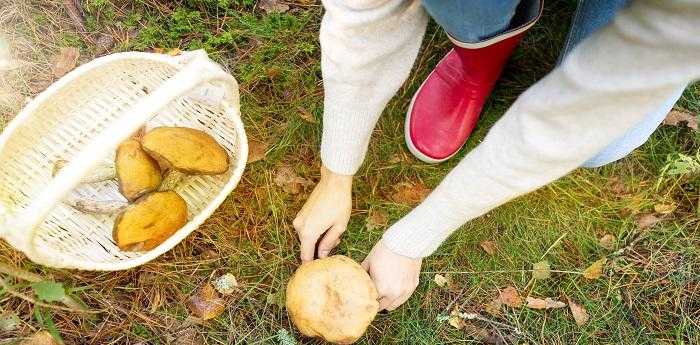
649	291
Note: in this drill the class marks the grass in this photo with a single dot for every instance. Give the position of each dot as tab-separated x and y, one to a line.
649	294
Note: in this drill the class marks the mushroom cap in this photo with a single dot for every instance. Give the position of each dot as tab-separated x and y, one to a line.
187	150
333	298
137	172
150	220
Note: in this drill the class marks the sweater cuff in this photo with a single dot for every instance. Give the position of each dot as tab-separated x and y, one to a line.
345	138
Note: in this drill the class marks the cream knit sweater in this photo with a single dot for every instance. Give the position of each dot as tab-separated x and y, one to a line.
604	87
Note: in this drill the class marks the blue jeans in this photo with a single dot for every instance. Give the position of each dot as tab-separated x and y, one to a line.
473	21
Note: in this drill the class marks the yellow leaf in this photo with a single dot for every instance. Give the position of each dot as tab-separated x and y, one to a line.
607	241
595	270
206	304
440	280
664	208
541	270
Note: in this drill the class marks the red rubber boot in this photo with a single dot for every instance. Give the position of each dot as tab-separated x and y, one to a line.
445	108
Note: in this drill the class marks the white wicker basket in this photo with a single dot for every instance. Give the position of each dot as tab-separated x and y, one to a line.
82	118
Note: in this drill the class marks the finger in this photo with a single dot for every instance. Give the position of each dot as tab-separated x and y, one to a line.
365	264
385	302
307	246
330	240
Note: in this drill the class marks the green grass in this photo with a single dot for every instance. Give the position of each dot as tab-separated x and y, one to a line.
650	294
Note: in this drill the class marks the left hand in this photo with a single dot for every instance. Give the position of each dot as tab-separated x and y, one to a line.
395	276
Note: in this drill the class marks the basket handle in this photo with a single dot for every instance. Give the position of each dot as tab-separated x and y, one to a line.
197	69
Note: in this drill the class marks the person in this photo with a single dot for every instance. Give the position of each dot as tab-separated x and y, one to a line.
609	92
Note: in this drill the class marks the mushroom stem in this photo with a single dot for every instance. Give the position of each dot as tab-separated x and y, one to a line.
95	206
171	180
102	172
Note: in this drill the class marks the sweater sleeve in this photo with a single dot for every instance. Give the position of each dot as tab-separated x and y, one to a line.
367	50
604	87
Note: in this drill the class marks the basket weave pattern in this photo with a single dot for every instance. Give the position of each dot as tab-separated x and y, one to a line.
69	120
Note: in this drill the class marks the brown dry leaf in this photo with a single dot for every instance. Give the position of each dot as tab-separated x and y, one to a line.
595	270
410	193
647	220
664	208
547	303
398	158
306	115
377	219
257	150
489	247
104	44
40	338
607	241
159	50
273	6
617	186
510	297
65	61
493	307
579	312
207	304
677	116
290	182
440	280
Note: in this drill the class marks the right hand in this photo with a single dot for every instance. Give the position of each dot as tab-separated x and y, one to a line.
325	215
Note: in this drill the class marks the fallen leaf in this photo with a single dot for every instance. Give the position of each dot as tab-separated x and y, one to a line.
306	115
377	219
510	297
647	220
607	241
290	182
49	291
455	321
547	303
257	150
174	52
159	50
493	307
65	61
206	304
664	208
410	193
617	186
677	116
273	6
104	44
541	270
440	280
595	270
578	311
489	247
40	338
226	284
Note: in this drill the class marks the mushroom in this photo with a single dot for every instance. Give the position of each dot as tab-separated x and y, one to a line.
187	150
103	171
137	172
150	220
333	298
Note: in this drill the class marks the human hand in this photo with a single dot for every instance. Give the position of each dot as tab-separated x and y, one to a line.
327	211
395	276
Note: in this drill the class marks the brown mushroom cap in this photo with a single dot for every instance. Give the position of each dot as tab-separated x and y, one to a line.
187	150
150	220
137	172
333	298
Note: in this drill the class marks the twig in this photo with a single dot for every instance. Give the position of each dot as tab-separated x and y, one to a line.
475	316
20	295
